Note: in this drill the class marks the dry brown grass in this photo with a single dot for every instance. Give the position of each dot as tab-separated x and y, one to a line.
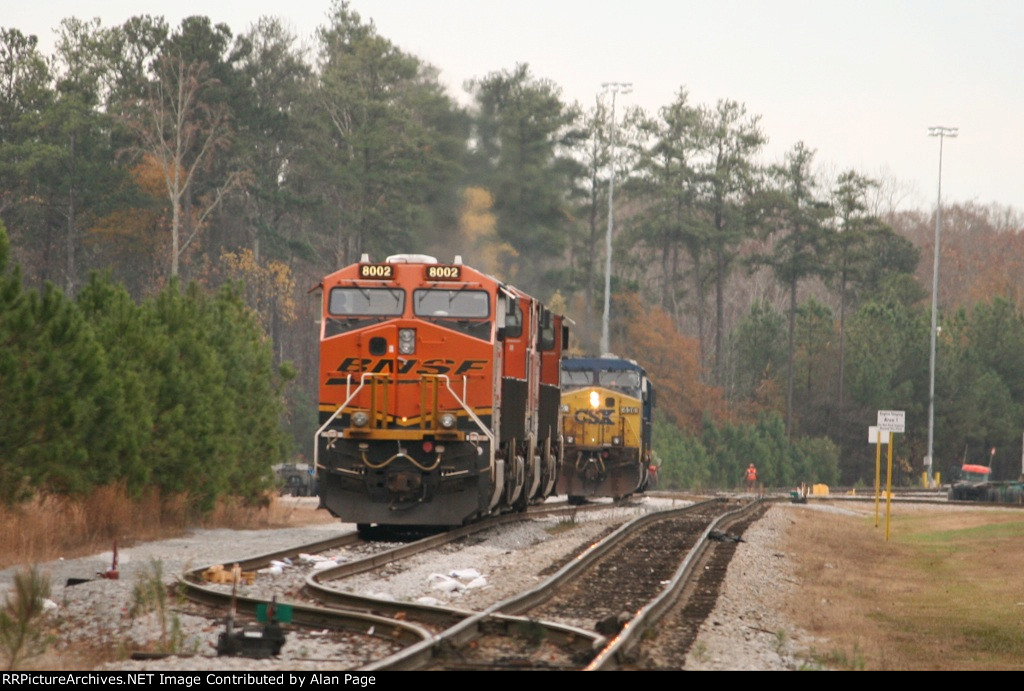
946	591
280	512
48	526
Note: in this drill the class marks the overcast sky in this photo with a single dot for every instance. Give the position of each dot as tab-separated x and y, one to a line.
860	82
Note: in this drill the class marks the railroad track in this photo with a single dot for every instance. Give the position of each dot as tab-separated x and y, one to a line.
539	629
661	635
552	626
369	628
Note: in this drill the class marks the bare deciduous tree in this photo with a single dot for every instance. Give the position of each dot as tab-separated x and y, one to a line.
182	133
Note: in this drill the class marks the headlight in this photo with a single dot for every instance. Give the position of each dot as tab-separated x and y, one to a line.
595	400
617	441
407	341
360	419
570	439
447	420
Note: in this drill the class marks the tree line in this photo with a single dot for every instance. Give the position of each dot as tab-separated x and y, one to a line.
178	393
189	158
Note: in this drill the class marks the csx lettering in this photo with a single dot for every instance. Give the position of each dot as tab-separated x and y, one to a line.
595	417
355	365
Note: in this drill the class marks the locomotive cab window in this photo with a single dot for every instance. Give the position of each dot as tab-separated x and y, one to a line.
514	321
353	308
547	331
623	380
572	378
462	310
366	302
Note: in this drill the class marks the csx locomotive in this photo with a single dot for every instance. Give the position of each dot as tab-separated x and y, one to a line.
607	404
439	398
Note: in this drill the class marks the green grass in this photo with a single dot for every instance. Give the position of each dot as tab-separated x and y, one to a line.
944	592
965	592
838	659
998	531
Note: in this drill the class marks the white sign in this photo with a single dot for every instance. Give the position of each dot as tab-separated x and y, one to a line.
874	434
892	420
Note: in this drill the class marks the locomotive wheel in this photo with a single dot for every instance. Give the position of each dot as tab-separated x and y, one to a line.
522	501
515	483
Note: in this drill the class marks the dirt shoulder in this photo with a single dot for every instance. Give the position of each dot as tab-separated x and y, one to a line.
942	593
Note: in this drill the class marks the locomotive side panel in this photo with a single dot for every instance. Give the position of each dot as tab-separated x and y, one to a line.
554	334
516	343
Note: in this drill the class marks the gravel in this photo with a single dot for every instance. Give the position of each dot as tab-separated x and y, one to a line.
747	630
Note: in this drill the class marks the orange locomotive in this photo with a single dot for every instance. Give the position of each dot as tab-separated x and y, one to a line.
439	398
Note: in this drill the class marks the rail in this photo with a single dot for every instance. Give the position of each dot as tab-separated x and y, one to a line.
615	653
513	609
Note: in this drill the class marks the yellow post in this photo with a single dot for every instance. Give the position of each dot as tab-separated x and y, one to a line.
878	470
888	490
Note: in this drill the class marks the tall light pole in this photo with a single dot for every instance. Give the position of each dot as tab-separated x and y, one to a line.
941	133
614	88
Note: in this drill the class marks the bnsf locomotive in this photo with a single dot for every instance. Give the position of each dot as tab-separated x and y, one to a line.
607	404
439	398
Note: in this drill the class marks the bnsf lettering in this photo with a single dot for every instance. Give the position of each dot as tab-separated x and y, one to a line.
471	366
388	366
444	272
354	365
595	417
435	367
376	271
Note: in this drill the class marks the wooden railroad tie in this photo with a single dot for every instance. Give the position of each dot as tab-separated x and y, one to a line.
218	574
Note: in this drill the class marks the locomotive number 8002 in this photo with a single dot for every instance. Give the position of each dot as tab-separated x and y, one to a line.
408	435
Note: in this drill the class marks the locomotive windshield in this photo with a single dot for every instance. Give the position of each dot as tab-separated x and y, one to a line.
628	381
460	310
366	302
623	380
576	378
465	304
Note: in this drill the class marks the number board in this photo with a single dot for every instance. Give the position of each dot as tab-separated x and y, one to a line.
444	272
892	420
378	271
